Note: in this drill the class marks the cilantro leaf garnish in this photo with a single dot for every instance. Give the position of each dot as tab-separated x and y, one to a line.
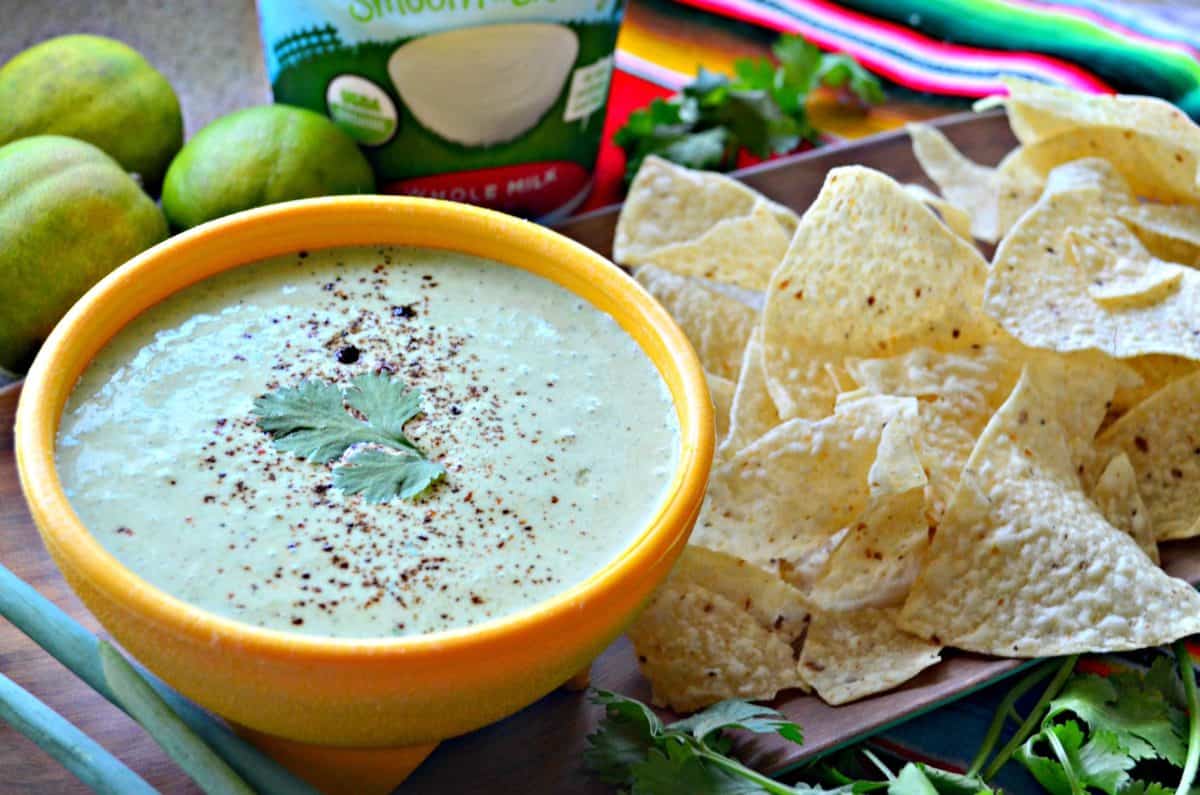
312	421
761	109
379	476
386	403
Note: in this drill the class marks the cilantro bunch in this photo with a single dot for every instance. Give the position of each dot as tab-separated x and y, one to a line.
761	109
1124	734
1132	733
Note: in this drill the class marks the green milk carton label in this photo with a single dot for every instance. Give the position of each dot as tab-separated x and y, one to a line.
494	102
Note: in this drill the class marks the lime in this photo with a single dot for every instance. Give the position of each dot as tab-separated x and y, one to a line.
69	214
258	156
98	90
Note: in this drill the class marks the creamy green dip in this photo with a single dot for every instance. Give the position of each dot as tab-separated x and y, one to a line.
557	434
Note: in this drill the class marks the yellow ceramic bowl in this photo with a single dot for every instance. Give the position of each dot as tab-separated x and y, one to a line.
347	692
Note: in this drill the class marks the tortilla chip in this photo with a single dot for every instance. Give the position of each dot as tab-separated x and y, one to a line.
1131	284
962	181
670	204
970	377
1170	231
1079	390
1040	110
1019	185
855	394
1161	436
1117	497
958	392
806	389
784	216
772	602
1025	565
719	628
1117	282
1092	172
848	656
877	559
1155	373
1152	172
897	468
778	502
717	326
743	251
697	648
1151	142
751	298
992	198
721	390
753	412
954	217
870	272
841	378
1043	298
699	223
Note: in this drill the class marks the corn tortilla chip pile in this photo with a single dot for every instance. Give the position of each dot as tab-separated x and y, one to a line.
919	448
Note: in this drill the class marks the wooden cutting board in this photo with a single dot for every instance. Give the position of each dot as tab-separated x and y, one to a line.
538	750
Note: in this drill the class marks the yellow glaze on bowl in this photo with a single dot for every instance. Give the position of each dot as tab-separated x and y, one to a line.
347	692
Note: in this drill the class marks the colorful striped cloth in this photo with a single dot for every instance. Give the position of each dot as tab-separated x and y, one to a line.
947	49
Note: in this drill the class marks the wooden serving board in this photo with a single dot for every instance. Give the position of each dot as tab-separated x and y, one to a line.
538	750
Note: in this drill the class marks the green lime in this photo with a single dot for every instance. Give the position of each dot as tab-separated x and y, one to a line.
97	90
260	156
69	214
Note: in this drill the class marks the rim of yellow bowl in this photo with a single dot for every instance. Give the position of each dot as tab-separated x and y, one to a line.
47	386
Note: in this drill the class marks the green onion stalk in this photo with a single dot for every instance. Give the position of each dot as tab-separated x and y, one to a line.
184	730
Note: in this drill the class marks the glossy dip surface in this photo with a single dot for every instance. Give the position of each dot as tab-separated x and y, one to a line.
557	434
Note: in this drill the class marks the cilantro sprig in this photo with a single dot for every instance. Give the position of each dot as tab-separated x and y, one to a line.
762	108
633	750
1131	733
312	421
